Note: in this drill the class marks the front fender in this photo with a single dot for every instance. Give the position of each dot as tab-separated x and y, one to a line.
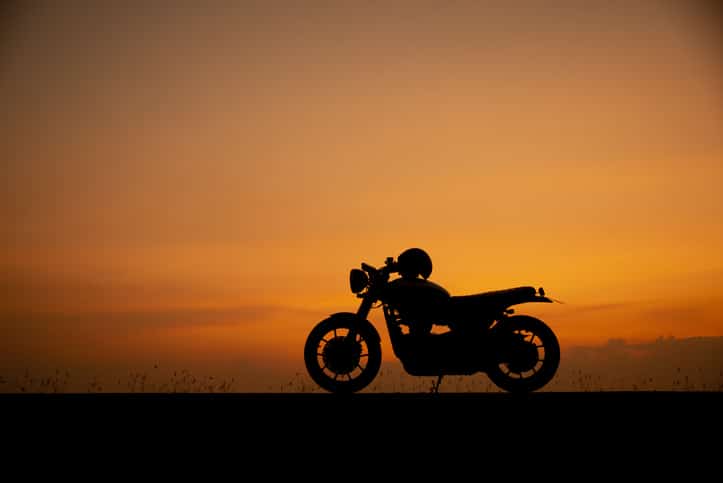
354	320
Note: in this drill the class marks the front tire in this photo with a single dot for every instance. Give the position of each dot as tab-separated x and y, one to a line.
527	357
337	363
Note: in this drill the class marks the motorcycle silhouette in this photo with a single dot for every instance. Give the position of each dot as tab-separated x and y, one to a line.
519	353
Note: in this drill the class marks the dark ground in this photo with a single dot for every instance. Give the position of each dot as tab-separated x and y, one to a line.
464	430
543	408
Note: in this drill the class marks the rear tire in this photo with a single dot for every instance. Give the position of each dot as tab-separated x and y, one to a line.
338	364
531	359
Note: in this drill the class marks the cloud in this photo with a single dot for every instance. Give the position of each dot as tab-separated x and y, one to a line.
599	307
153	319
663	364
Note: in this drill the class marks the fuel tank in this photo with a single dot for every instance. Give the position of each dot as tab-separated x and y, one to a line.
416	298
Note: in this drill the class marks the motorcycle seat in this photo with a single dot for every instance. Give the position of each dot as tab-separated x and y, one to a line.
493	300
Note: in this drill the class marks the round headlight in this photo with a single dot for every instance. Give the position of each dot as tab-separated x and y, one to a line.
358	280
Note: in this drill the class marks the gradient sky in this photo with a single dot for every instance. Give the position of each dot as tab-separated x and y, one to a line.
190	184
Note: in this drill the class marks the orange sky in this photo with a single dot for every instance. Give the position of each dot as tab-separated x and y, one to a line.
192	184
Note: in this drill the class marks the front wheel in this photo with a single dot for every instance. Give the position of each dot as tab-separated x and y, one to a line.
341	363
527	355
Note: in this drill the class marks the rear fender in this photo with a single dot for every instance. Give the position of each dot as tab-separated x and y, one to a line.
539	298
506	326
532	298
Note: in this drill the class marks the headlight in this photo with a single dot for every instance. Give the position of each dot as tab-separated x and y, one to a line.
358	280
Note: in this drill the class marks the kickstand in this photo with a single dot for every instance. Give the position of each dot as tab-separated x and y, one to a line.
435	387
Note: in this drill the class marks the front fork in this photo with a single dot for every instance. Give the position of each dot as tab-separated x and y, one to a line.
365	307
363	312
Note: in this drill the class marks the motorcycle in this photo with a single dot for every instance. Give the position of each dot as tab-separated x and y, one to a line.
519	353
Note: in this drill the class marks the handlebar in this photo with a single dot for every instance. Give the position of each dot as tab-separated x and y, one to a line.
368	268
389	267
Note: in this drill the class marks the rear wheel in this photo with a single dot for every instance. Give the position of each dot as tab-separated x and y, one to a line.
341	361
528	355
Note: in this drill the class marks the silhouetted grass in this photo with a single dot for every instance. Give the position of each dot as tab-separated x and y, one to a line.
394	381
136	382
389	380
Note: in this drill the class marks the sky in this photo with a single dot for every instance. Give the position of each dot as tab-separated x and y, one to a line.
187	184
